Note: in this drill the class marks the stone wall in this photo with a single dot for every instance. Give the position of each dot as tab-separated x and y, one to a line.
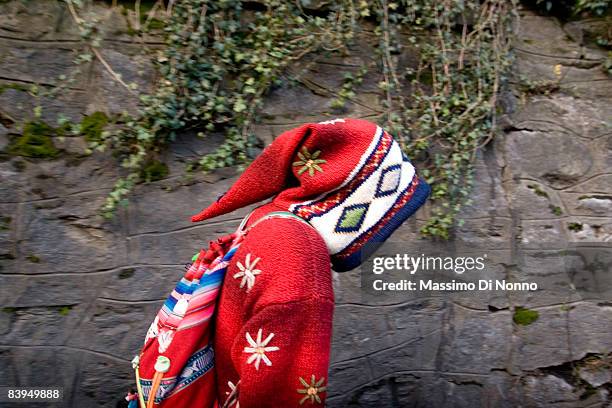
78	292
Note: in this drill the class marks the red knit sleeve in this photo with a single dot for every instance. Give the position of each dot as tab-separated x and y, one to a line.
283	355
282	350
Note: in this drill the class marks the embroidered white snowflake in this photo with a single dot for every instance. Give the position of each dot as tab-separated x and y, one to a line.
259	348
232	395
247	272
331	122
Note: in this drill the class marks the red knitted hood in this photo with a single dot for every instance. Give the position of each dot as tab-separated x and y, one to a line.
347	177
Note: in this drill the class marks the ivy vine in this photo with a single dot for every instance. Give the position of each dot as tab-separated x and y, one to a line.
217	64
220	60
464	55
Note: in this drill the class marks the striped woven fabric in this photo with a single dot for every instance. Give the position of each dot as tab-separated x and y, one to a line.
198	289
181	332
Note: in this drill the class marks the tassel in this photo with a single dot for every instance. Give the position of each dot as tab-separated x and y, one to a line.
162	365
135	366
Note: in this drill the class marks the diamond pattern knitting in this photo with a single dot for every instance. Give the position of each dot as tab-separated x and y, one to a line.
389	181
352	217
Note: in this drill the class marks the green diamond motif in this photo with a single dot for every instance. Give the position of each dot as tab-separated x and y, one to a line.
352	217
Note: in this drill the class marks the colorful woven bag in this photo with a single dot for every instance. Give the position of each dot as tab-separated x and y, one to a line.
176	365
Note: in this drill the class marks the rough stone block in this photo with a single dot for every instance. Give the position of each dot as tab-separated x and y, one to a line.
348	375
589	229
141	283
549	390
536	201
153	209
542	234
414	355
489	333
8	374
176	246
49	290
580	117
553	271
40	325
597	185
96	387
360	330
114	328
530	153
542	343
589	328
43	366
487	195
485	233
580	204
68	235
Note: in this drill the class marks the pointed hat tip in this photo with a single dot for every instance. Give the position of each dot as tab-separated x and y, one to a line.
266	176
197	218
